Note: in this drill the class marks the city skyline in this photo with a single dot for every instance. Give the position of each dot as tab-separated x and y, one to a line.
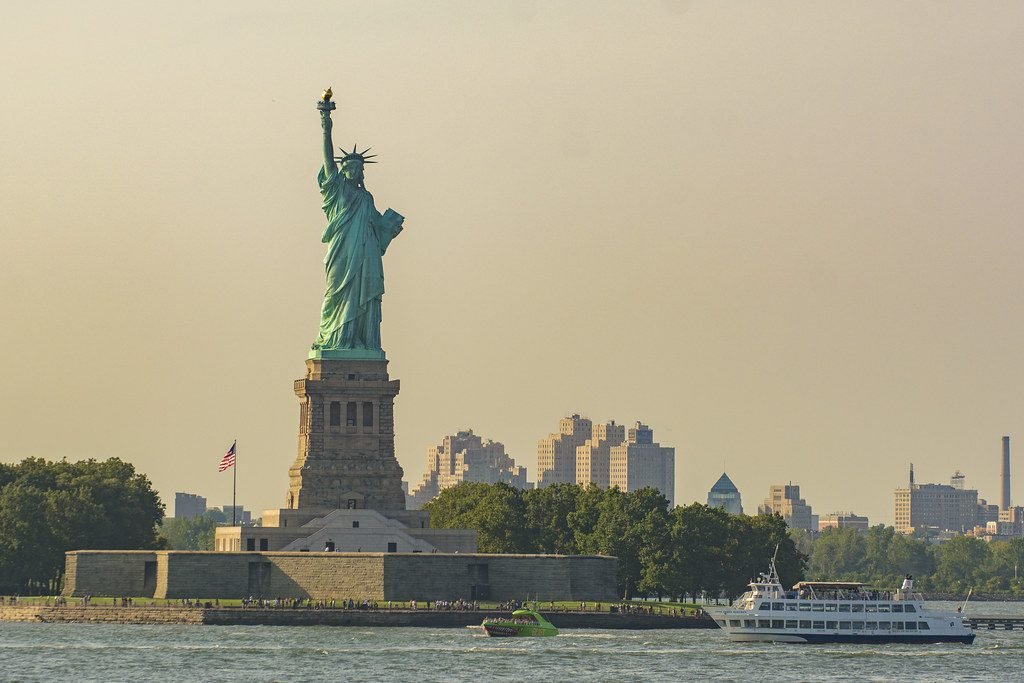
785	235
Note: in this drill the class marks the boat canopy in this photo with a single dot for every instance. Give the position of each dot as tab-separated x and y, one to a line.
840	585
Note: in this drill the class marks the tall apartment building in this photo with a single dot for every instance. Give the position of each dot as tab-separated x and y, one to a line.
188	505
946	507
725	495
556	453
465	456
640	461
593	459
785	500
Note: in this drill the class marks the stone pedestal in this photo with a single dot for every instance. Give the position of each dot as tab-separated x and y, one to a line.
346	455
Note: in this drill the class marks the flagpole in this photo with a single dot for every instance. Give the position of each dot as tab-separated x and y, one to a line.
234	485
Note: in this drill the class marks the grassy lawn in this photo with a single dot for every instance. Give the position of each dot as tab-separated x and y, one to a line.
542	605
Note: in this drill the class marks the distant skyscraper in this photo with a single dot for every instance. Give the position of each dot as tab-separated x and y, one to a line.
785	500
639	462
593	459
556	453
938	506
465	457
188	505
842	520
242	516
725	495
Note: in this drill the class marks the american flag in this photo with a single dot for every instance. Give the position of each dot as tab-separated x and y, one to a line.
228	460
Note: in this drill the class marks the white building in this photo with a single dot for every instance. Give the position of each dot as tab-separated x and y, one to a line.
639	462
466	457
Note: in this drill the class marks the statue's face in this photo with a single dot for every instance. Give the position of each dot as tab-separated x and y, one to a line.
353	170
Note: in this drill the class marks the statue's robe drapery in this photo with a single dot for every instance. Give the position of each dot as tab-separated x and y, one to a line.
357	237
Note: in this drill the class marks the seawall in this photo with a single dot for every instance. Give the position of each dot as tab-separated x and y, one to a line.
232	616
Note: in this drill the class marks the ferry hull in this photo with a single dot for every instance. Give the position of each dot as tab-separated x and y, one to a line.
823	638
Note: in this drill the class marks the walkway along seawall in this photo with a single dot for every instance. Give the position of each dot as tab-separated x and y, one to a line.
274	616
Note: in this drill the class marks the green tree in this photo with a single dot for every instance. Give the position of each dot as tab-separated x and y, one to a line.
496	511
547	517
196	533
48	508
838	554
703	542
756	540
631	526
961	563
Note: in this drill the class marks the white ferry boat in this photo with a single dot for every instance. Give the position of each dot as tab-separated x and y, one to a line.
837	612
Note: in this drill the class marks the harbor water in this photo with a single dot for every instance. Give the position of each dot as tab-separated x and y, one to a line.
106	652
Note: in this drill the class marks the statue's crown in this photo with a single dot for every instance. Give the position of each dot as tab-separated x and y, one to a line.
355	156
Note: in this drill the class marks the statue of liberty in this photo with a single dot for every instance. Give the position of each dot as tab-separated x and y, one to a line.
356	237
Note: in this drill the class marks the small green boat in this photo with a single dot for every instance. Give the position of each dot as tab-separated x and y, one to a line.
523	622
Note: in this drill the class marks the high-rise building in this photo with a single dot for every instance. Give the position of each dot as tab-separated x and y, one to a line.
556	453
784	500
841	520
461	457
725	495
936	506
593	459
188	505
238	513
640	461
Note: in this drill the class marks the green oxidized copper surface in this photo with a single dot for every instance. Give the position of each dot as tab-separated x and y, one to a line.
357	235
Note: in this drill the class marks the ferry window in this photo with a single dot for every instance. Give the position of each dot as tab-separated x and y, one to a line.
805	624
819	624
832	624
790	606
870	608
778	607
765	606
923	626
871	625
830	608
844	608
818	608
777	623
735	623
844	625
858	608
884	625
749	623
909	608
805	607
911	625
858	625
897	626
897	608
764	623
883	608
791	623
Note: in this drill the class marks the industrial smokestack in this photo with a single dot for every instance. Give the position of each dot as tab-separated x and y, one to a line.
1006	474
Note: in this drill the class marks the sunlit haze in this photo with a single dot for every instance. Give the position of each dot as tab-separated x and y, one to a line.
786	235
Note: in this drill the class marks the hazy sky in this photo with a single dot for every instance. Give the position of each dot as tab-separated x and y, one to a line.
787	235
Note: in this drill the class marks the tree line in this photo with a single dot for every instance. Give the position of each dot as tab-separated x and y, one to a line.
49	508
881	557
680	552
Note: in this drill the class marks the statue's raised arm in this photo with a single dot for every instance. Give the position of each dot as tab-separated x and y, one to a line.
326	106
